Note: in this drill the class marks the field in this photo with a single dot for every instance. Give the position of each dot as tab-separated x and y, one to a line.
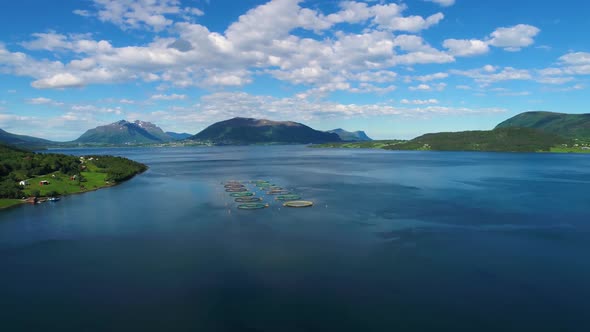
60	184
6	203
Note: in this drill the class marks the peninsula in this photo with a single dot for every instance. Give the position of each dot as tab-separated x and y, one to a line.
32	177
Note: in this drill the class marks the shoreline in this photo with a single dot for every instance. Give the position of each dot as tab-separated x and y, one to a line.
21	202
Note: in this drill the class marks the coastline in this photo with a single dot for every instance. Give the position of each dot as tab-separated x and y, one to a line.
7	203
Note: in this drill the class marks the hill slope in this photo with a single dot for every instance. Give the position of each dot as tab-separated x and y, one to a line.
252	131
348	136
23	141
498	140
124	132
178	136
566	125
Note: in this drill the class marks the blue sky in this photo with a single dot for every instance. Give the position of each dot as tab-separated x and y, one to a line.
396	69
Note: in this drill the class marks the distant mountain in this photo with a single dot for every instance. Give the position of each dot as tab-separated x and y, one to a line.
23	141
348	136
253	131
501	139
178	136
124	132
566	125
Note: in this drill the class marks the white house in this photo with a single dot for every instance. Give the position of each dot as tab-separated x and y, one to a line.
22	183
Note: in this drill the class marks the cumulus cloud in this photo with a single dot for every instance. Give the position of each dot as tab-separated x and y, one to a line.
466	47
419	102
444	3
488	74
195	56
514	38
173	96
136	14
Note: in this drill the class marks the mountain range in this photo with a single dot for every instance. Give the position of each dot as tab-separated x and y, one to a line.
260	131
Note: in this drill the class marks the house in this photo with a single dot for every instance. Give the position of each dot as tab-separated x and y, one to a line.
23	183
44	183
74	177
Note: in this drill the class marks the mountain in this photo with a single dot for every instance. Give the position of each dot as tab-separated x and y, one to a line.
252	131
124	132
499	140
566	125
348	136
178	136
23	141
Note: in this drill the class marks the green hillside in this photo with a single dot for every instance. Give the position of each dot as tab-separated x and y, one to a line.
255	131
23	141
499	140
350	136
65	174
576	126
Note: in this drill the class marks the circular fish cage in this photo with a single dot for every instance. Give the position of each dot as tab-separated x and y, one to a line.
236	190
291	197
264	185
278	192
298	204
252	206
248	199
242	194
234	186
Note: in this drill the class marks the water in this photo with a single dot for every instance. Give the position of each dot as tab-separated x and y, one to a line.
396	241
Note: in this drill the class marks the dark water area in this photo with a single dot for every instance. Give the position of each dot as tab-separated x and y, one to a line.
396	241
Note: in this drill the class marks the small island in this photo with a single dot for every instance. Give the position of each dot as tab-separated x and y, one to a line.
29	177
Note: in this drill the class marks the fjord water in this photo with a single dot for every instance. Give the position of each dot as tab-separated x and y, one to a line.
397	241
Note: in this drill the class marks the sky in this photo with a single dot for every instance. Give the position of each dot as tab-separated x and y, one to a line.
395	69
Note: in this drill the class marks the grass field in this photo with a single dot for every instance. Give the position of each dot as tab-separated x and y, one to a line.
6	203
63	185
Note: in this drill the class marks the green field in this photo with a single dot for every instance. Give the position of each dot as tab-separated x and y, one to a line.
60	184
6	203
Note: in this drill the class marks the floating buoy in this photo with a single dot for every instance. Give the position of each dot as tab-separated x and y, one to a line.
298	204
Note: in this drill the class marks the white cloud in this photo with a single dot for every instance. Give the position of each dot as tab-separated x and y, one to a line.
419	102
466	47
81	12
444	3
195	56
43	101
514	38
490	74
137	14
428	87
431	77
576	58
173	96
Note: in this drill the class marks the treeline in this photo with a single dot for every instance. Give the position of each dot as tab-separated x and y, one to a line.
19	165
117	168
498	140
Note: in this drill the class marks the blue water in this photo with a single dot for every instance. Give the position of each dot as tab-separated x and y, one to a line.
396	241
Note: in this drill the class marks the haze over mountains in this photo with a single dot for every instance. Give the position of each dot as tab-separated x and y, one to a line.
260	131
351	136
